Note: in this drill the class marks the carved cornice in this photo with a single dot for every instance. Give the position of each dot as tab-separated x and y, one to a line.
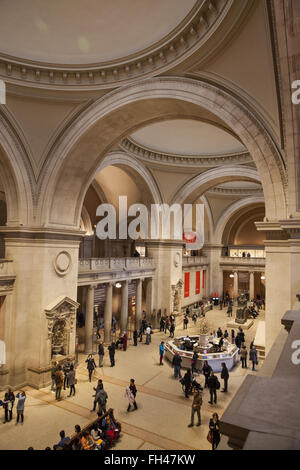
205	160
189	36
236	191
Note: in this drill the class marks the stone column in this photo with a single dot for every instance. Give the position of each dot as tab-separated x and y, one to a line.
149	298
108	313
251	285
124	307
221	283
138	304
89	320
235	287
213	253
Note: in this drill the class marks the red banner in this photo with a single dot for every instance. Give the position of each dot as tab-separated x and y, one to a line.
198	278
186	285
203	280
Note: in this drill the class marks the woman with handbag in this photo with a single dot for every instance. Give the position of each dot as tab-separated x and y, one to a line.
214	431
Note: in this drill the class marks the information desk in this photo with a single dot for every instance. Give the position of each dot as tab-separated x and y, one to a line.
230	356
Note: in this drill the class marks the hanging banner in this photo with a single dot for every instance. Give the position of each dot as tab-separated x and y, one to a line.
198	279
186	285
203	280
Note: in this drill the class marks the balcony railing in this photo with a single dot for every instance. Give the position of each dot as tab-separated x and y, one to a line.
115	264
194	261
235	261
7	277
6	267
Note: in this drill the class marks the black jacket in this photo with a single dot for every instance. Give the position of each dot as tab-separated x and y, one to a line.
111	350
212	382
224	373
101	350
176	360
206	370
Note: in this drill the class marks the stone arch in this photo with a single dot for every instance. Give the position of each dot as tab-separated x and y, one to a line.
86	221
68	170
16	176
233	209
198	185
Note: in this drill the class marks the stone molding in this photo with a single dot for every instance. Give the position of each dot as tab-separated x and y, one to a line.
63	308
194	31
163	158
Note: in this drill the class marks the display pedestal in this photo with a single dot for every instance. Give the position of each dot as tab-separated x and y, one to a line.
245	326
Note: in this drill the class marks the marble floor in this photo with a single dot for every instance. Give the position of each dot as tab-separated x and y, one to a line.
163	412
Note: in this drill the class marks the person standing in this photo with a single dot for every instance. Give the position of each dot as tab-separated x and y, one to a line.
196	408
71	380
125	338
206	370
91	365
232	337
101	354
59	381
162	324
111	351
225	377
101	398
53	370
244	355
141	333
213	385
172	329
194	318
167	325
66	370
185	322
148	335
253	357
21	396
8	404
97	389
135	337
161	353
214	428
176	363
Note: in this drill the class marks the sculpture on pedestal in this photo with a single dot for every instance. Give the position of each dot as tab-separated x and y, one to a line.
242	310
177	296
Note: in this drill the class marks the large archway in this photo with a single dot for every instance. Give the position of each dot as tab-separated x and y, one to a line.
80	150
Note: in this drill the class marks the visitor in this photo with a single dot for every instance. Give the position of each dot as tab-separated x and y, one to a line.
226	334
114	324
87	441
53	370
71	380
196	408
97	389
8	404
77	429
206	370
194	362
59	381
109	427
91	366
161	353
21	396
167	325
97	437
66	370
219	333
185	322
101	354
194	318
129	396
148	335
225	377
162	324
214	428
232	336
63	441
253	357
141	333
172	329
187	382
135	337
111	351
229	310
213	385
144	325
125	338
101	398
134	392
176	363
244	355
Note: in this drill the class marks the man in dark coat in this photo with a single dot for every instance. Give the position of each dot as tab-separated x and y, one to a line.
176	363
91	365
101	354
206	370
212	384
111	350
135	337
225	377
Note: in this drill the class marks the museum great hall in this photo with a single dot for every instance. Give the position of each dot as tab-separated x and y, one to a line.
166	102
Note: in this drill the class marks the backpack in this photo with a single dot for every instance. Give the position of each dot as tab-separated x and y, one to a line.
218	385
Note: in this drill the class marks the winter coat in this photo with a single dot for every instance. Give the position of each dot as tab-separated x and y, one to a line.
59	378
129	396
71	380
253	355
21	402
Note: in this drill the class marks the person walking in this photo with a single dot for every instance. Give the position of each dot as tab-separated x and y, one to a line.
225	377
253	357
172	329
97	389
148	335
134	392
194	362
176	363
185	322
59	381
130	398
8	404
91	365
244	355
71	380
112	351
214	429
21	396
213	385
196	408
53	370
206	370
161	353
101	354
101	398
